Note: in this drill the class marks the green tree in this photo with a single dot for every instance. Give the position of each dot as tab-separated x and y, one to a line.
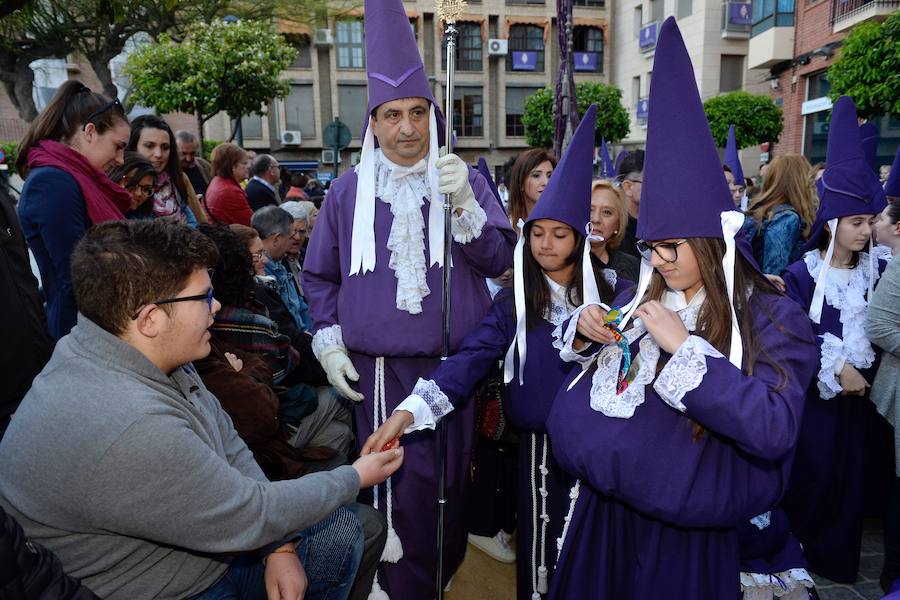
612	118
219	67
755	117
868	68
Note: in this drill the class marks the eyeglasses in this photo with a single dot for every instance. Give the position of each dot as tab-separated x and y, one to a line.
633	180
208	296
97	113
258	256
668	251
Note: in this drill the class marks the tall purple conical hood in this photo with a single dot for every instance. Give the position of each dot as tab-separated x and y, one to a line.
848	185
393	61
680	147
567	197
892	185
486	173
869	136
606	165
732	159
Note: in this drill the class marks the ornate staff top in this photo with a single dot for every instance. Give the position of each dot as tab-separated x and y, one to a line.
449	10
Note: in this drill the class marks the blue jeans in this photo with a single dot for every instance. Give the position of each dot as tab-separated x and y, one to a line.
329	551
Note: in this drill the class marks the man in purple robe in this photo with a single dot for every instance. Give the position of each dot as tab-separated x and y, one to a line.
373	276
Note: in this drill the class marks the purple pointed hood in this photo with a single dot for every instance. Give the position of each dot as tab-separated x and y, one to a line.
892	185
606	165
567	198
393	61
848	185
676	123
869	136
486	173
732	159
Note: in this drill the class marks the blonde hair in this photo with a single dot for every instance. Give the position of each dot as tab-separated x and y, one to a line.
787	182
619	205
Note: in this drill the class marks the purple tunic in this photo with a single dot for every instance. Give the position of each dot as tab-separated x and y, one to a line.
840	457
365	308
658	507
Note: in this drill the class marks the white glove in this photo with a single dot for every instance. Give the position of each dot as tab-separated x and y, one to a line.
339	369
453	179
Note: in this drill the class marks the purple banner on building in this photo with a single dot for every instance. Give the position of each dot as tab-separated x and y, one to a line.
585	61
643	108
648	36
740	13
524	61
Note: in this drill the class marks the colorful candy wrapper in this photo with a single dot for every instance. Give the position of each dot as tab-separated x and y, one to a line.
611	322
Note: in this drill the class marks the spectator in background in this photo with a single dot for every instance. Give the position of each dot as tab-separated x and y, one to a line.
225	199
26	347
630	178
63	159
173	196
315	191
608	220
779	219
136	175
296	252
816	173
275	227
262	189
198	170
528	177
737	191
297	190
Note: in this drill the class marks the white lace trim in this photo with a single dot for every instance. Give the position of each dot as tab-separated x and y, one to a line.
684	371
788	585
850	299
564	340
762	521
610	277
436	400
326	337
467	226
832	352
405	194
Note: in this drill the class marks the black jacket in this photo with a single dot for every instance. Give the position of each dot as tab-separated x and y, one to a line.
31	572
258	195
26	343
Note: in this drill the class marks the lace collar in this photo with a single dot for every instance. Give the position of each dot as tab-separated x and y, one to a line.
560	306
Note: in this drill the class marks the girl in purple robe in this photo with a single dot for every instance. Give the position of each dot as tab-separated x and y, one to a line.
844	449
549	284
676	451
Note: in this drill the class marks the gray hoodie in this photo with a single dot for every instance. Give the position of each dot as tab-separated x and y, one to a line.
137	480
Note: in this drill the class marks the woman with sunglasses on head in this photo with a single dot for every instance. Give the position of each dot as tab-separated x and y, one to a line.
173	194
844	444
136	175
558	272
682	430
63	159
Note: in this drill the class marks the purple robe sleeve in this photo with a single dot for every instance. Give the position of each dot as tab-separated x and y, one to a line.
489	254
322	268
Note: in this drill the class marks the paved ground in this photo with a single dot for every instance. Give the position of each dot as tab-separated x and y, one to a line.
481	577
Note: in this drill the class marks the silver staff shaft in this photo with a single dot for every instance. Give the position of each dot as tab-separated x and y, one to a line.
445	305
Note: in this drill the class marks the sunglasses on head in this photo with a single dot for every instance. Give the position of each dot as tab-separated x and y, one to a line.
102	110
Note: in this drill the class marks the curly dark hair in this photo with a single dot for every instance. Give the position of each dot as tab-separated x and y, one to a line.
233	276
120	266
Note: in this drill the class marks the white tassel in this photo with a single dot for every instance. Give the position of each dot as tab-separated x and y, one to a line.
393	549
542	587
535	596
377	593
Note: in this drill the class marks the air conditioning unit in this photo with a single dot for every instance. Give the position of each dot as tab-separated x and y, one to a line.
291	138
497	47
328	157
354	158
323	38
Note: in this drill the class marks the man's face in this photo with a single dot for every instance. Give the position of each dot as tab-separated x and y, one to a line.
185	334
187	153
298	237
277	244
401	127
273	173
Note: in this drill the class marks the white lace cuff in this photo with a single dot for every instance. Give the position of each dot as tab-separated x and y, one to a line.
832	353
786	585
436	401
422	417
467	225
326	338
684	371
564	340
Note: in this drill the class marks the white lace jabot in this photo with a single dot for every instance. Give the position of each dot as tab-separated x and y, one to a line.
405	189
560	306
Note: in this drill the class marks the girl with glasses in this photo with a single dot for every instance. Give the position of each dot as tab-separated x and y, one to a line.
136	175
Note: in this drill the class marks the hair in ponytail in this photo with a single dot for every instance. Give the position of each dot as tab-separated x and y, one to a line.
73	105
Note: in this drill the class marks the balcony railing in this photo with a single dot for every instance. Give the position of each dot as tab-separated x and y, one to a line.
856	10
737	17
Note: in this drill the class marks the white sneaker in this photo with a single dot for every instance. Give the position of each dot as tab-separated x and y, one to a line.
496	547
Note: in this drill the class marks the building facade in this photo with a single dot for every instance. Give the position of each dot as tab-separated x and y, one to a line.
796	41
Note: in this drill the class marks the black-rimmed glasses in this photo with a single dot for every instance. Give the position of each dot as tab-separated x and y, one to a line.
102	110
208	296
668	251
